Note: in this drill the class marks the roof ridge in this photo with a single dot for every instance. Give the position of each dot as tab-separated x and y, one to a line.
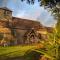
6	8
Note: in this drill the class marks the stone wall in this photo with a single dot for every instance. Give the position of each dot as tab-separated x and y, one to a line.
20	36
14	29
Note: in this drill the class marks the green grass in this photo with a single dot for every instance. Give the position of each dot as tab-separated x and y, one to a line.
14	52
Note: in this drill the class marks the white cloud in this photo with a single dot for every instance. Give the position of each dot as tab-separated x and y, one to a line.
33	12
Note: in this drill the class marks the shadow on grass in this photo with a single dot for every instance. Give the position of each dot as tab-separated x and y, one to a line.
29	55
32	55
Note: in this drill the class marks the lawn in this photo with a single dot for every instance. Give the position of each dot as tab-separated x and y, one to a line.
15	52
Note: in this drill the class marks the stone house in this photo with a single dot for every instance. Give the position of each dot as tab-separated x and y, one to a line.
19	31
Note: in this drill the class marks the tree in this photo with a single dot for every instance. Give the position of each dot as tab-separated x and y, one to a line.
54	7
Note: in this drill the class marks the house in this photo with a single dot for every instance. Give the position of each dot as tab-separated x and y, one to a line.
19	31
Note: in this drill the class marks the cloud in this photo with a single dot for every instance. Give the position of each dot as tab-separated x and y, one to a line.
46	18
27	11
33	12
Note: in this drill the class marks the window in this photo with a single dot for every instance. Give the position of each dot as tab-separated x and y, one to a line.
6	12
39	35
1	36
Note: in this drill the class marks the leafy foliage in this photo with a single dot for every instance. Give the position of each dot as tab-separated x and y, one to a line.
51	47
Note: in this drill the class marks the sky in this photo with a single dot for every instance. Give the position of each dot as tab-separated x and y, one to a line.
31	12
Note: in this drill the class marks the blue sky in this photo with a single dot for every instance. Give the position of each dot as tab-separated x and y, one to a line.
32	12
